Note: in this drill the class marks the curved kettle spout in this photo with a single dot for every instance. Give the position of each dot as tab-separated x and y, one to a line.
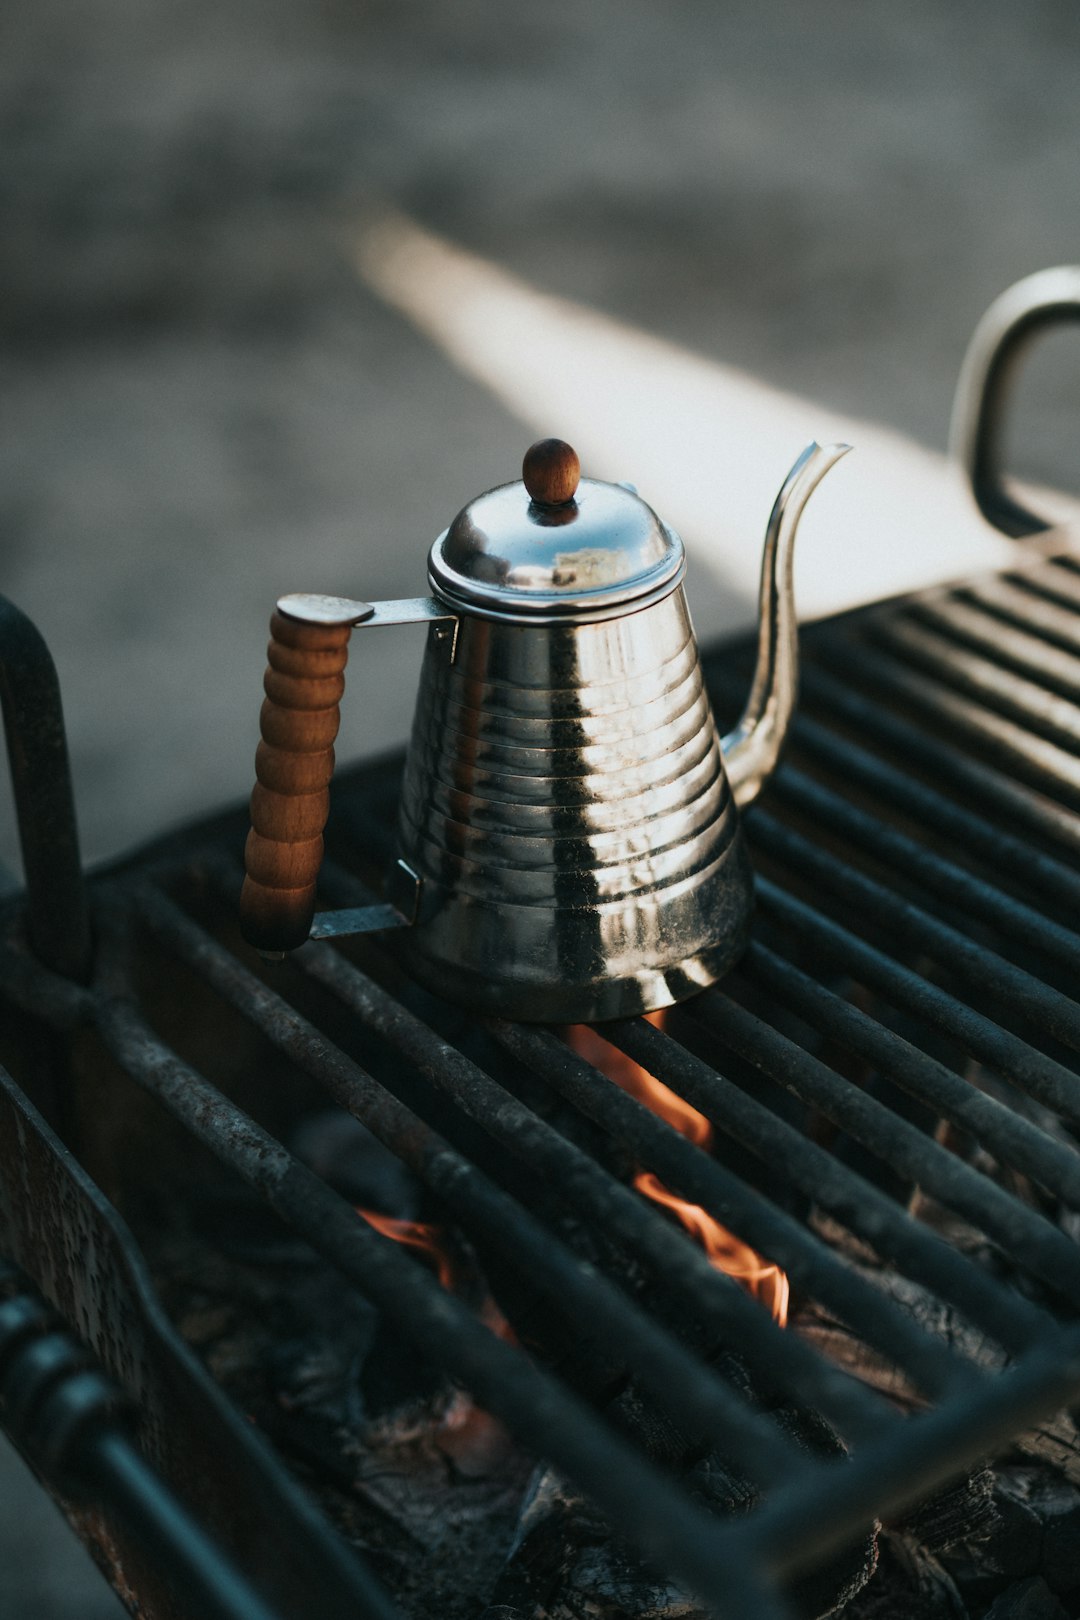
752	750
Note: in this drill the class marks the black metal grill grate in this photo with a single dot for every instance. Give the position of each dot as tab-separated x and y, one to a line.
892	1075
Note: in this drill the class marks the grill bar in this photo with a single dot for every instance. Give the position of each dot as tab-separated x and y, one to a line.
1042	1077
1027	655
861	1207
1056	582
780	1358
696	1398
1023	701
1012	1139
1008	743
978	899
689	1171
788	1535
975	965
1045	1250
983	784
665	1524
1052	879
677	1266
1019	601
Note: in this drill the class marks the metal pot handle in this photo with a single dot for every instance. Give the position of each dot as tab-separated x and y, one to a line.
1045	299
304	683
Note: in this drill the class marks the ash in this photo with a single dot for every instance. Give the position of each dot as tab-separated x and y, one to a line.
425	1486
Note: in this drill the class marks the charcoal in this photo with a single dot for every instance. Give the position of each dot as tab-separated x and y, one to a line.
962	1512
657	1433
909	1584
1027	1600
425	1484
1038	1533
565	1563
721	1487
564	1559
982	1569
1055	1440
829	1590
1052	1505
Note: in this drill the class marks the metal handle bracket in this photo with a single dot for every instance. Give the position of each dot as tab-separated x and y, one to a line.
400	909
346	610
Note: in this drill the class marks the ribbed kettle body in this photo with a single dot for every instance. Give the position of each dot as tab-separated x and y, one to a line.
566	809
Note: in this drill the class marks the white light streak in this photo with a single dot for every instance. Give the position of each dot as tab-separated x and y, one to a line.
707	445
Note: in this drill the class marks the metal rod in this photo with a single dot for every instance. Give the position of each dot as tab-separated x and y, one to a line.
120	1480
1017	805
1022	1233
664	1523
897	789
1021	992
695	1176
1018	600
861	1207
941	878
57	1000
1011	746
1042	1077
691	1173
74	1426
782	1357
789	1533
1002	642
766	1229
1052	581
1012	1139
58	913
680	1268
694	1395
1021	700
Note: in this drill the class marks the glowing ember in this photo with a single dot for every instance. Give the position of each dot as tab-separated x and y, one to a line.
724	1251
471	1438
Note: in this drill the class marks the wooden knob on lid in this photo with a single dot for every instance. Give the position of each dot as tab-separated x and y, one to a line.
551	471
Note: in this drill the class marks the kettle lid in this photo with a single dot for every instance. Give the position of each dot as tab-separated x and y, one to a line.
556	547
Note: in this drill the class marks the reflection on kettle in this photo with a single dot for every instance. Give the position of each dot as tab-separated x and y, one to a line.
568	834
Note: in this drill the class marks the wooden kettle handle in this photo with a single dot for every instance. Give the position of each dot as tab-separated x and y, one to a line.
304	682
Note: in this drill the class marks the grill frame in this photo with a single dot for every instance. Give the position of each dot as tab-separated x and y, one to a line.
975	956
810	1508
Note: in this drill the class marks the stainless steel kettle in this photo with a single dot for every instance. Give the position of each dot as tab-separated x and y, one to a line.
568	834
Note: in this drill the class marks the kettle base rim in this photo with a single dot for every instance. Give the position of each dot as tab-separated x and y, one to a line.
643	990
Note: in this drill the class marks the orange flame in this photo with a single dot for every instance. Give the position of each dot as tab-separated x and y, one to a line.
722	1249
474	1441
427	1240
430	1241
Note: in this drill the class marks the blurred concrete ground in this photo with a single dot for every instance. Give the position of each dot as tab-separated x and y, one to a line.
203	406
